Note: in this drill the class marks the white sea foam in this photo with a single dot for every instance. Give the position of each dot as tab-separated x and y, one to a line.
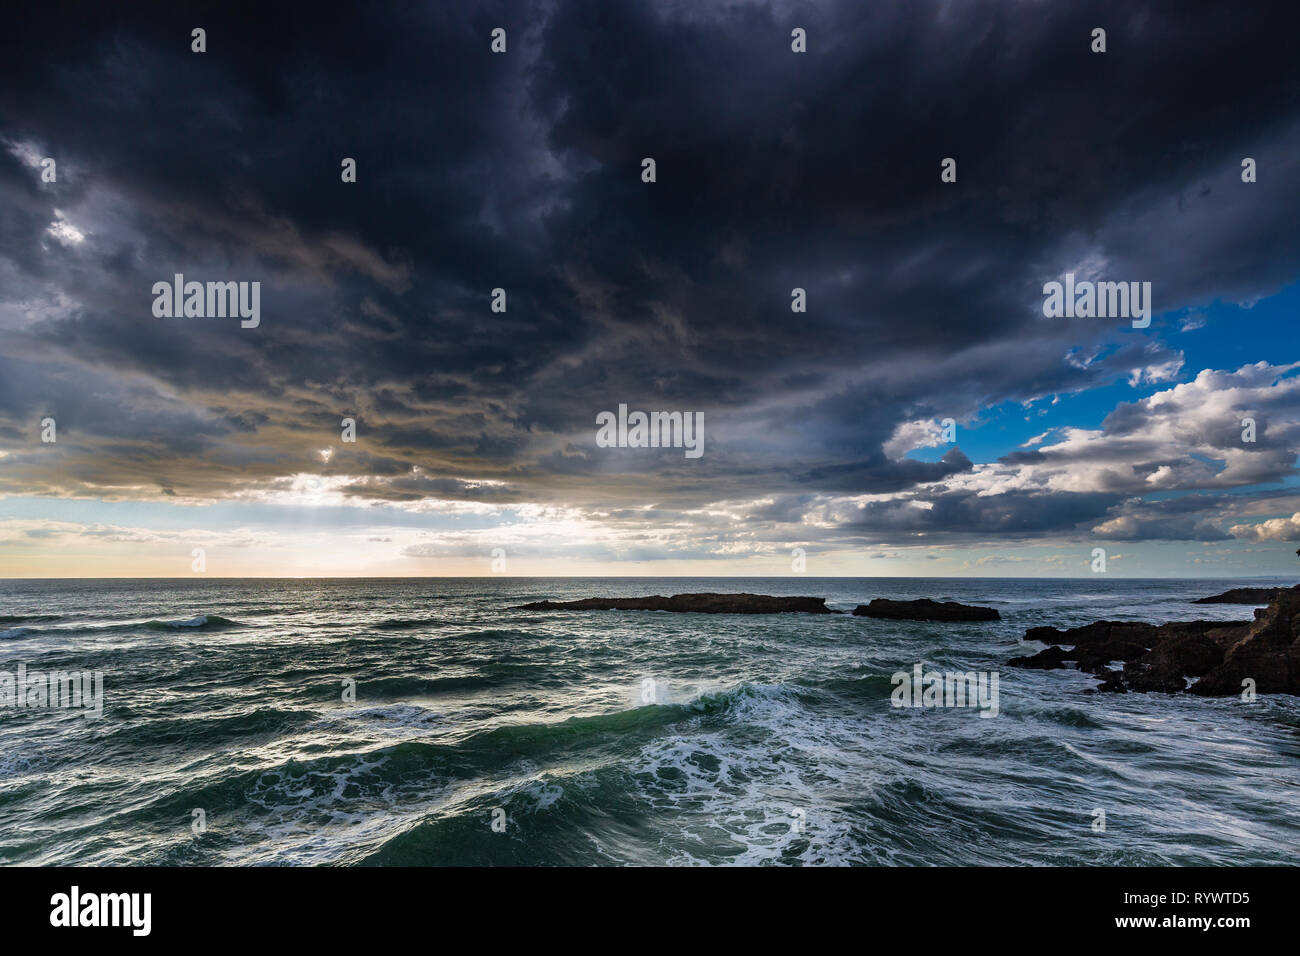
779	800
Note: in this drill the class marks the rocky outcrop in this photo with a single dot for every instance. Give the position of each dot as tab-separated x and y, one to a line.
1047	660
1095	633
698	603
921	610
1094	645
925	610
1242	596
1268	653
1172	662
1154	656
1209	658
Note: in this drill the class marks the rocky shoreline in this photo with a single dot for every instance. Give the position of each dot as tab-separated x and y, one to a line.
1242	596
1209	658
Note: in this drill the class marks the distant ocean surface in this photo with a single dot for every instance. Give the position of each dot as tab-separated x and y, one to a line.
772	739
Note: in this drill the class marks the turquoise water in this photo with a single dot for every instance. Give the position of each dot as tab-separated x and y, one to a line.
767	739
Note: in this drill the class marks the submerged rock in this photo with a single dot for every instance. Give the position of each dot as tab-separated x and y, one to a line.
925	610
697	603
1242	596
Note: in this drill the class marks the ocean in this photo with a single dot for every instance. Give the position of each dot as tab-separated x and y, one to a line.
423	721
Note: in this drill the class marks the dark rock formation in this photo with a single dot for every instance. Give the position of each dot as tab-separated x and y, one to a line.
1168	665
1049	659
925	610
1095	633
700	603
1219	656
1268	652
1111	682
1242	596
1095	646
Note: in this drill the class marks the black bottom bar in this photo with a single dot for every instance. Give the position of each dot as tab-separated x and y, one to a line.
337	905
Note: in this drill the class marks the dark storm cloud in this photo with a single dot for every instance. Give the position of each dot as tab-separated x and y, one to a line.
522	172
